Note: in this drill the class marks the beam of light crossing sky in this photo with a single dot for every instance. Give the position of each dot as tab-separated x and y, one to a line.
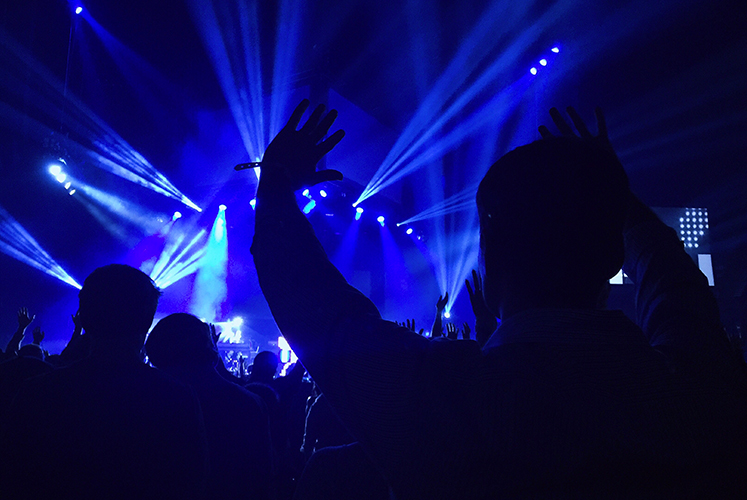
47	103
16	242
231	37
169	270
430	117
455	203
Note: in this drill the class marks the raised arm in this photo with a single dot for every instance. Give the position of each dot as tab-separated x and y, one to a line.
674	305
364	365
24	320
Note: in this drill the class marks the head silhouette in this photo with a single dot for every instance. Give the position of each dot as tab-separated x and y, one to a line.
551	217
117	304
264	366
181	343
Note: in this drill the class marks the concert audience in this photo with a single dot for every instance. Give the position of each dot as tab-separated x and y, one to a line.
107	426
555	396
565	399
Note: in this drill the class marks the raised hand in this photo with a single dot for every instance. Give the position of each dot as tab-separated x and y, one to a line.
476	298
78	326
297	152
466	331
24	319
442	301
601	139
38	336
452	332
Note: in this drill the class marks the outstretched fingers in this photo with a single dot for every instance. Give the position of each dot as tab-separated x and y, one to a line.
578	122
560	122
295	117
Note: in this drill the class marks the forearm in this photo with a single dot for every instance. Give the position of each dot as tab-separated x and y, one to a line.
366	366
437	330
15	342
674	304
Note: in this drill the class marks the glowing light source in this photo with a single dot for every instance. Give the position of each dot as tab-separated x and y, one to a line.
305	192
177	215
222	208
409	231
380	219
533	71
323	193
359	210
61	177
71	192
555	49
55	169
543	62
309	206
78	10
447	315
253	203
68	184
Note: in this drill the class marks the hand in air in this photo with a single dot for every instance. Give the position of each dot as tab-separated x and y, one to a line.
442	301
38	335
452	332
297	152
24	319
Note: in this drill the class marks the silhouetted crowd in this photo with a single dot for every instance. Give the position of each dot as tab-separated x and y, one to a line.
550	395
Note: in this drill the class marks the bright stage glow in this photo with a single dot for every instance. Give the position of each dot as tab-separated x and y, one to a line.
380	219
68	184
359	210
322	193
543	62
55	169
305	193
309	207
71	192
358	215
253	203
409	231
16	242
61	177
533	71
222	208
210	289
177	215
555	49
456	203
78	10
447	314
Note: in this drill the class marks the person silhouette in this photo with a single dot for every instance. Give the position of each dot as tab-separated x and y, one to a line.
108	426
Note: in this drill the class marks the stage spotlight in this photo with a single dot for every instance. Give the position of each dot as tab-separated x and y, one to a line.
323	193
177	215
305	193
253	203
78	10
309	207
543	62
222	208
555	49
55	169
447	315
61	177
71	192
380	220
409	231
359	210
68	184
533	71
